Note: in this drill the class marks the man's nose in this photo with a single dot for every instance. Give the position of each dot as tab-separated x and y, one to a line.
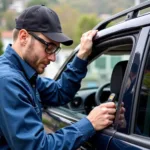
52	57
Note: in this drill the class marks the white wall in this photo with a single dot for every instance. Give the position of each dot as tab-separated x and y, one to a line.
6	41
53	67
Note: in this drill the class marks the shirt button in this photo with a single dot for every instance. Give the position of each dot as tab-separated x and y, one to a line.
33	85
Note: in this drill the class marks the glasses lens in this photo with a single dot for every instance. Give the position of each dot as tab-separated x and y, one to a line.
51	49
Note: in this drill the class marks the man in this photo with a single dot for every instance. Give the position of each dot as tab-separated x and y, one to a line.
36	40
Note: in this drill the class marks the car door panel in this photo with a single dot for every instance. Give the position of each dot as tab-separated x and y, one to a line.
124	137
53	122
72	112
61	117
102	138
125	142
76	110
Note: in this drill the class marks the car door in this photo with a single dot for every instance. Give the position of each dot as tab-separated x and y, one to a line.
97	79
136	97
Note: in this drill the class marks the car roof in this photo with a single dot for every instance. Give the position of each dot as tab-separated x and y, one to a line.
133	24
132	20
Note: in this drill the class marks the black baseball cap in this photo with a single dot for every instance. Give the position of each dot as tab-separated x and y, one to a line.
39	18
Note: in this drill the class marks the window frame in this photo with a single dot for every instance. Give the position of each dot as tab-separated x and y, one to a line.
128	138
139	84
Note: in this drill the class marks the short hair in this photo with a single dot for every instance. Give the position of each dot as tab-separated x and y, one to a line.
15	34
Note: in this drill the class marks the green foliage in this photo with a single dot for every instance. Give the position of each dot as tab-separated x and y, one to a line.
10	19
74	23
85	23
68	17
37	2
70	12
44	2
4	5
1	46
80	5
99	6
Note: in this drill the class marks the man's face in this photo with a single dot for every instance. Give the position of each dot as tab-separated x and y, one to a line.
36	56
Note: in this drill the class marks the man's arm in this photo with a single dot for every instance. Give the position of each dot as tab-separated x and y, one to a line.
22	126
63	90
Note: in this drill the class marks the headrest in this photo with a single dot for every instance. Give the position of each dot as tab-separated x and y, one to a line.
117	76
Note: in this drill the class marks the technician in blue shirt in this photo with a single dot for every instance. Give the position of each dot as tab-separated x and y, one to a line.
36	40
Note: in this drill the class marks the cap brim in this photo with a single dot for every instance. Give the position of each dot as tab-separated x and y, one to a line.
59	37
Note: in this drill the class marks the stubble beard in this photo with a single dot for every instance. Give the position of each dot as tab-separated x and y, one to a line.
31	58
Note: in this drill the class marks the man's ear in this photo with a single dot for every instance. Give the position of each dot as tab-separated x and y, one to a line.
23	37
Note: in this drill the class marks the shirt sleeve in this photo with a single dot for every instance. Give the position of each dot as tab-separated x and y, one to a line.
62	91
22	126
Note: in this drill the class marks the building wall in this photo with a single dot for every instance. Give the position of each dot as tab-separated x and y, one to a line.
53	67
6	41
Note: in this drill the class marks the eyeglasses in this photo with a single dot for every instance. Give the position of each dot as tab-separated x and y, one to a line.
50	48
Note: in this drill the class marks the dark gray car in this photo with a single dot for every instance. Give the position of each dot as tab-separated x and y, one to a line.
119	64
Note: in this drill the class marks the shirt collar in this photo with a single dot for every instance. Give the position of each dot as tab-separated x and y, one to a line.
19	63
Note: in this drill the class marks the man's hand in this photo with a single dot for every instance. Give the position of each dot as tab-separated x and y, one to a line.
102	115
121	120
86	44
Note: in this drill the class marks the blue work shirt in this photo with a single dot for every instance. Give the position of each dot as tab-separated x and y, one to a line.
22	94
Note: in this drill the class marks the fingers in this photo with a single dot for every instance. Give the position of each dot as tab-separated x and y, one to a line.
121	116
108	108
105	110
121	120
90	33
122	104
108	105
86	44
102	115
110	117
88	36
122	110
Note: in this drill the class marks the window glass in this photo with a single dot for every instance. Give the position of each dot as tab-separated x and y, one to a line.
114	60
144	11
142	125
100	70
52	69
100	63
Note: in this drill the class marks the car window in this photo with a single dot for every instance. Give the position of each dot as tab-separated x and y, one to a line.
102	61
142	125
100	70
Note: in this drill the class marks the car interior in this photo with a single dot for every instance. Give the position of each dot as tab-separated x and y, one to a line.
92	93
106	69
